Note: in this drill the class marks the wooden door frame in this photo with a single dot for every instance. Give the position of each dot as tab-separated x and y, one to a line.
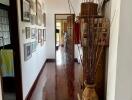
55	27
14	29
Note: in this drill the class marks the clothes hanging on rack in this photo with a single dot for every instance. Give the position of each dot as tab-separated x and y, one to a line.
7	63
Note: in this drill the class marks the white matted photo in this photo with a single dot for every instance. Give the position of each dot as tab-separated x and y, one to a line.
25	10
27	51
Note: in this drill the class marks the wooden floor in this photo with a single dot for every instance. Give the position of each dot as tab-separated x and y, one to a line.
59	81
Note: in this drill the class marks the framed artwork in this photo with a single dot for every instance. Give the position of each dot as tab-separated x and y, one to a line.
27	29
25	9
44	34
27	51
39	13
33	19
33	33
34	46
44	19
40	34
33	7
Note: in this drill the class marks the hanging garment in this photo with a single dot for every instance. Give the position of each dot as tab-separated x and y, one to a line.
7	63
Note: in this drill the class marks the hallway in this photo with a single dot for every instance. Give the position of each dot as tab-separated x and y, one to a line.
58	81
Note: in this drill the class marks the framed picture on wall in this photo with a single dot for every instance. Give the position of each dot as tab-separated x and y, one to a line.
27	51
40	34
33	33
33	7
25	10
28	32
44	34
39	13
34	46
44	19
33	19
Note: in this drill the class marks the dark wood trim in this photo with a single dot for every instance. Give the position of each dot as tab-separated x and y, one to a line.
51	60
35	82
13	17
5	7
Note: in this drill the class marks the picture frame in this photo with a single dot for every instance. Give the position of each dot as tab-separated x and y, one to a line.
27	51
40	35
33	19
34	46
44	34
39	14
44	19
33	33
28	32
25	10
33	7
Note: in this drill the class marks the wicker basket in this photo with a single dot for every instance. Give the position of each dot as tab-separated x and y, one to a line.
89	9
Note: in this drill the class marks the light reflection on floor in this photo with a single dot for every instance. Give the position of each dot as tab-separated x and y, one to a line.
60	56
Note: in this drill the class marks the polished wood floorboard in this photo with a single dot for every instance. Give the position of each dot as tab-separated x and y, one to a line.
59	81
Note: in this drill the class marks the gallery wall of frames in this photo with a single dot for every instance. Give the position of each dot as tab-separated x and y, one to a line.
34	16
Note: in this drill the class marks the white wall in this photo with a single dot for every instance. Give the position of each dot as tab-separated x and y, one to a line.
124	57
112	60
32	67
56	7
120	54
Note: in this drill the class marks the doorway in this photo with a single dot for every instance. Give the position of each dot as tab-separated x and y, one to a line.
64	38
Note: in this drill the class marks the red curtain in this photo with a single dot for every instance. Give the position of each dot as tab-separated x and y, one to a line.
77	33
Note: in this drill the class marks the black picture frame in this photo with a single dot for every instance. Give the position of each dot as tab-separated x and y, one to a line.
28	32
39	35
44	34
27	51
33	33
39	16
25	10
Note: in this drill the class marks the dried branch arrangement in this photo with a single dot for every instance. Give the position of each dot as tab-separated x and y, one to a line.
95	37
